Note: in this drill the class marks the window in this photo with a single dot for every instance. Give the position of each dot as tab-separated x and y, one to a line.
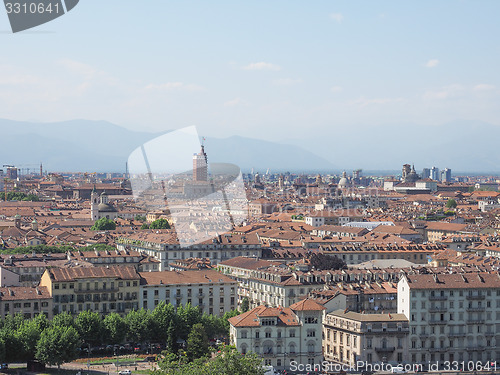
292	333
257	334
311	333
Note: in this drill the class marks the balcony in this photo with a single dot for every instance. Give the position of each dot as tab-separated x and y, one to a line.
438	298
475	309
456	334
438	309
201	295
476	297
475	321
98	290
386	349
489	333
474	347
438	322
440	349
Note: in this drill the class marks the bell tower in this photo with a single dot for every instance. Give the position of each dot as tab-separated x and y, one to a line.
94	204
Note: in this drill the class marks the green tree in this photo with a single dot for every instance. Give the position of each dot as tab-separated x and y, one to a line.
29	333
326	262
139	325
3	357
58	345
115	328
159	224
14	348
162	316
104	224
145	226
245	305
225	323
171	338
140	218
197	342
63	319
187	316
452	203
90	327
226	362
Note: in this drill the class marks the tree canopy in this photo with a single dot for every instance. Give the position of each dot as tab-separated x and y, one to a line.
227	361
57	345
157	224
104	224
452	203
326	262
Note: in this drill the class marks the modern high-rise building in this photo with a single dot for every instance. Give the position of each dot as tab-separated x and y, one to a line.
200	166
446	175
434	173
426	173
12	173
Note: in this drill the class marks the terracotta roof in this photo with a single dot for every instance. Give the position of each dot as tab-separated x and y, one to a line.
184	277
307	305
71	274
369	317
477	280
15	293
285	316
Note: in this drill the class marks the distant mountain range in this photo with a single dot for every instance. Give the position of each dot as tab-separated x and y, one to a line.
100	146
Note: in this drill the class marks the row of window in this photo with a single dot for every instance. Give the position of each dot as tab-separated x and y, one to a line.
451	304
453	330
444	317
452	293
25	305
96	285
268	334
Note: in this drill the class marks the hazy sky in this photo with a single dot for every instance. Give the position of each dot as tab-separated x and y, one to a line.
266	69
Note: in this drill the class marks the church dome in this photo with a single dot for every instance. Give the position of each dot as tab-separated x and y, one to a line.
344	182
105	207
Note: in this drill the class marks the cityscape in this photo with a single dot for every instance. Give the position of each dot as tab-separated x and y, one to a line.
329	270
249	188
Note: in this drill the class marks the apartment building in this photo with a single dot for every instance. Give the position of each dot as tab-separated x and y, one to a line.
105	258
211	291
272	283
100	289
452	316
28	301
368	297
30	267
349	337
165	247
282	336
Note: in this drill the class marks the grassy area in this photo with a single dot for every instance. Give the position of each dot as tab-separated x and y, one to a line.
120	361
